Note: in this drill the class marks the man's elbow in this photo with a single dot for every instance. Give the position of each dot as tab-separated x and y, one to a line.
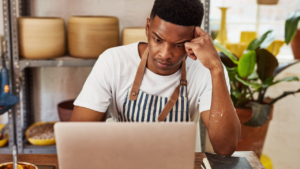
226	151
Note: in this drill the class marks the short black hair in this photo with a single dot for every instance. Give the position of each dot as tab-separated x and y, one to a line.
179	12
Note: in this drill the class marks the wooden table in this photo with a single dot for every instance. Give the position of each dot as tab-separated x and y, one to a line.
51	159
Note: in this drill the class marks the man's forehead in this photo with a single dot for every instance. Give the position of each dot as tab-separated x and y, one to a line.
164	28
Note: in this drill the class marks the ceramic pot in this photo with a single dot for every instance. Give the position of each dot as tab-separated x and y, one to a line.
41	37
89	36
131	35
267	2
22	165
295	43
65	110
252	138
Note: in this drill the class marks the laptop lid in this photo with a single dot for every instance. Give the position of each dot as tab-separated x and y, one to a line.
125	145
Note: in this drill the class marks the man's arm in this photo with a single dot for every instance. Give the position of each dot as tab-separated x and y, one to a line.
85	114
221	120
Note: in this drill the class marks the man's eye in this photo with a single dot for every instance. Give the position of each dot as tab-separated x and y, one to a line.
179	46
157	40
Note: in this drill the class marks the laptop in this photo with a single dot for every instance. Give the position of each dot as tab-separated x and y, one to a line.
125	145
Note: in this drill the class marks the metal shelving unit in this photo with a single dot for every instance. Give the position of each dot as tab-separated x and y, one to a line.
7	38
22	78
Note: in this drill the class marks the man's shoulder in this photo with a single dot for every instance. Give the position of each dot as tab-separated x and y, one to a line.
121	51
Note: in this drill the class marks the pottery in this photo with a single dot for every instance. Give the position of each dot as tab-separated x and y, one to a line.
41	37
295	45
65	110
222	35
89	36
131	35
267	2
252	138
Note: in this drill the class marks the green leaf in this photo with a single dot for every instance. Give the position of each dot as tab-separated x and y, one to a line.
266	64
256	86
226	52
286	79
291	25
269	39
257	42
253	76
246	64
231	73
260	114
226	60
236	94
268	81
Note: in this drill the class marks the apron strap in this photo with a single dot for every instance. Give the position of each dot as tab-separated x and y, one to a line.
139	76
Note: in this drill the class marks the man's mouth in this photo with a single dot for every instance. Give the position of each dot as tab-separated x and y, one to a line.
162	64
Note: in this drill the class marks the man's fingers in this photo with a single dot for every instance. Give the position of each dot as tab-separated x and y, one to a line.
189	48
199	32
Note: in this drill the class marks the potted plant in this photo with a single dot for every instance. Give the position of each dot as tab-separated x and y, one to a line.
250	77
292	34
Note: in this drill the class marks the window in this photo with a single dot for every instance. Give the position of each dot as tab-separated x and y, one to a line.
242	16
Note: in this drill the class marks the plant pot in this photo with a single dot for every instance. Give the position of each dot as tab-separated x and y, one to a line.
295	43
267	2
252	138
65	110
41	37
89	36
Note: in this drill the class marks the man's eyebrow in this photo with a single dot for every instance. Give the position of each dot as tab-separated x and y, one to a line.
157	35
183	42
163	39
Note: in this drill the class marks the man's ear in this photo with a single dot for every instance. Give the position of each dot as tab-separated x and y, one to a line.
147	26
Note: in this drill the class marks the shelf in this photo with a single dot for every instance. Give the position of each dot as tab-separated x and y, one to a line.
5	150
65	61
32	149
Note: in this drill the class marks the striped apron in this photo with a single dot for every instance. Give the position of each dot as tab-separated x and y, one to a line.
142	107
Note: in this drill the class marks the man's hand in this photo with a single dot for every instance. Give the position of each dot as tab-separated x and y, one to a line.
202	47
221	121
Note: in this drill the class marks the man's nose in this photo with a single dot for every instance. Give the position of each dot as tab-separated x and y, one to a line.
166	52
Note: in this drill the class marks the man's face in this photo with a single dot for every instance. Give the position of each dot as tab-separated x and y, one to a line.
166	45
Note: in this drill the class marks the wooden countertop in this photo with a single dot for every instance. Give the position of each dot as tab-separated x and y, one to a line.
51	159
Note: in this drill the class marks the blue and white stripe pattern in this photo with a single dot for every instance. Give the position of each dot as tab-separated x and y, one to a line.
146	108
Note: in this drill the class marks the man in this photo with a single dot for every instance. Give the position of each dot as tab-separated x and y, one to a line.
173	77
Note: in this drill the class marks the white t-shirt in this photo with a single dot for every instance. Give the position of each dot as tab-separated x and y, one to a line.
114	73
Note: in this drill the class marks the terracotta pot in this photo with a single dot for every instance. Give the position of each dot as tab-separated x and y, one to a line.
41	37
65	110
295	45
252	138
267	2
89	36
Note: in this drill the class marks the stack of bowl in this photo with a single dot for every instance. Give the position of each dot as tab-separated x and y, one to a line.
89	36
41	37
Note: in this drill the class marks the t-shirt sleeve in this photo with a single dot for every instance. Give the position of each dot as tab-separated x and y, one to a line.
96	92
206	95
